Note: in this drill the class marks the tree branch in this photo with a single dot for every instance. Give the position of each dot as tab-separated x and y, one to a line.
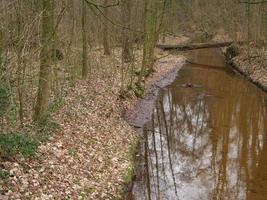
91	6
102	6
255	2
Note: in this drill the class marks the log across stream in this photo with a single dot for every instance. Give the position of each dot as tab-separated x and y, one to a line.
206	138
194	46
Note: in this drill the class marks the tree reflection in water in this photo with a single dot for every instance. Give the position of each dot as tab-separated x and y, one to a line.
206	142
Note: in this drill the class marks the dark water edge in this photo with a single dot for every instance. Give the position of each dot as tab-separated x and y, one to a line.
140	186
144	109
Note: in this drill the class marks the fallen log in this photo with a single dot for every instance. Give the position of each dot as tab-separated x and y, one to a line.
186	47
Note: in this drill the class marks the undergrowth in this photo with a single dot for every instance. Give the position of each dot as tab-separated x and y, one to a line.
128	176
26	141
4	175
16	143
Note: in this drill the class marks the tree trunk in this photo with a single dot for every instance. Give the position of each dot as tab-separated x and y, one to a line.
265	24
186	47
1	46
105	31
153	33
69	49
84	36
248	30
126	21
53	41
45	60
20	62
145	45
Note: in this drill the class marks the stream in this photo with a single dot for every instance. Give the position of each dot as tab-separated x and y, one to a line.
206	137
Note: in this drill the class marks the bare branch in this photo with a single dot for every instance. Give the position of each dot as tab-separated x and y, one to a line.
103	6
91	6
255	2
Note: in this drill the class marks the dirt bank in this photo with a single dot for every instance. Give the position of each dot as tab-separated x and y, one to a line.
255	69
166	72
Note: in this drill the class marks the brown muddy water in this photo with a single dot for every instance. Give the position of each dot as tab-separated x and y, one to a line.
207	137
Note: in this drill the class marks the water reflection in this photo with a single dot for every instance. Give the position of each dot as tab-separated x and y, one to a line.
206	140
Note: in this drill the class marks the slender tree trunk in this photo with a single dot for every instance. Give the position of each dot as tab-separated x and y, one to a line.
45	60
105	31
69	49
20	63
145	44
1	45
161	29
153	33
265	23
248	29
54	81
150	29
126	20
84	36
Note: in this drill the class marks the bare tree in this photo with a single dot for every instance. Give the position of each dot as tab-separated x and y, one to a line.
45	60
84	36
105	30
126	34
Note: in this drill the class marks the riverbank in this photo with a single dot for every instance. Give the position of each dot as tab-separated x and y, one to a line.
141	113
254	69
90	155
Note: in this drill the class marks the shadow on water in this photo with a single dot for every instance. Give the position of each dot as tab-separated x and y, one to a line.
206	138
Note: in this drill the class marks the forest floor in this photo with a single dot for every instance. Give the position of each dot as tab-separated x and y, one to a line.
90	155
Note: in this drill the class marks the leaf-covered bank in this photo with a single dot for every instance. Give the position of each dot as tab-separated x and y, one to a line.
89	156
252	67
